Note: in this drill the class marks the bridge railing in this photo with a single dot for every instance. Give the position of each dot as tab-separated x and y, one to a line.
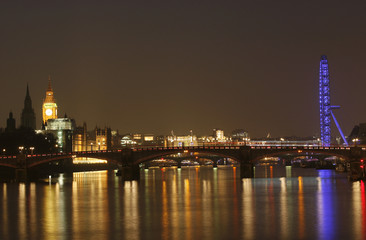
204	147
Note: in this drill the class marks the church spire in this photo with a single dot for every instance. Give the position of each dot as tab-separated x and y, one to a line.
27	100
27	91
28	118
49	89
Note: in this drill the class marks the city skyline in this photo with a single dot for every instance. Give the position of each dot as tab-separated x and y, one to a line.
182	119
154	68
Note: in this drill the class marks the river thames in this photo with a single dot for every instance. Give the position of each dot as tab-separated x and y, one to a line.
187	203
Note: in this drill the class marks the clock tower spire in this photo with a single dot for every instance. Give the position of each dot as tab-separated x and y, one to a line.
49	107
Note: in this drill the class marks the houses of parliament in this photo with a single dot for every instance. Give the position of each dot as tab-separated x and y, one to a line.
68	136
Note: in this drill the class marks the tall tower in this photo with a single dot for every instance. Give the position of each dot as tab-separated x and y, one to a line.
10	123
324	101
49	107
28	118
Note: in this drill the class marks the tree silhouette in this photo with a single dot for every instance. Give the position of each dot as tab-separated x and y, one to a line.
26	138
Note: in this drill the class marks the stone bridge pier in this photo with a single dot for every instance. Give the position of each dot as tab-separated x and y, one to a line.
130	169
246	164
357	169
21	171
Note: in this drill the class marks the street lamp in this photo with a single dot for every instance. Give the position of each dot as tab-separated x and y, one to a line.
355	140
32	149
4	150
282	140
21	149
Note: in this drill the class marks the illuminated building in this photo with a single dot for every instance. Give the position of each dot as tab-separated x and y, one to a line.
137	137
127	141
79	141
140	139
149	139
181	141
28	118
62	129
103	138
240	135
83	142
219	135
49	107
160	140
116	139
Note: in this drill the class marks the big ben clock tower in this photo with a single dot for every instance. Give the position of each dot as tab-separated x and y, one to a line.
49	107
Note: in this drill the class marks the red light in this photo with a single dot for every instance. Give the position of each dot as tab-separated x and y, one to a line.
361	160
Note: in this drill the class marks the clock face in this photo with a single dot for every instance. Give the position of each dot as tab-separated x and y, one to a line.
48	112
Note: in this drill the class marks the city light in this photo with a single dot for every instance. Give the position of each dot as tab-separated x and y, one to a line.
21	149
355	141
88	160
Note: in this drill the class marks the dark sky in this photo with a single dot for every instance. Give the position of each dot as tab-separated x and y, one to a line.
157	66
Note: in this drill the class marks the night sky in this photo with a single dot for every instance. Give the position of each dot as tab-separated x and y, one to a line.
157	66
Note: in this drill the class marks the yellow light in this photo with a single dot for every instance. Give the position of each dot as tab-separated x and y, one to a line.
85	160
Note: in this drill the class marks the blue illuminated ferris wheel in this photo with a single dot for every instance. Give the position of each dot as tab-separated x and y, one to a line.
325	107
324	101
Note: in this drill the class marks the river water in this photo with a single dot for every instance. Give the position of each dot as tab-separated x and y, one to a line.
187	203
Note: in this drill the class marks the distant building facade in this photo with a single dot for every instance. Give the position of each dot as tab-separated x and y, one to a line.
218	135
28	117
80	142
103	138
127	141
181	141
116	140
240	135
137	138
358	135
62	129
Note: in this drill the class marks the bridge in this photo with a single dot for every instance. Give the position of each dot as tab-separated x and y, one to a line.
129	159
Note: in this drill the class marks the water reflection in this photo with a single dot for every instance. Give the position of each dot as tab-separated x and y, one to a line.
359	209
131	218
284	209
325	202
301	209
187	203
187	208
165	220
22	211
4	211
248	209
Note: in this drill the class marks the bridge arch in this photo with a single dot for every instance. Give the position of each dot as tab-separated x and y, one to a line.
155	155
135	156
299	153
65	157
8	165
